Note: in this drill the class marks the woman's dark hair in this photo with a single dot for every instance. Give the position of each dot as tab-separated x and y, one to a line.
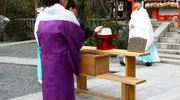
71	4
49	2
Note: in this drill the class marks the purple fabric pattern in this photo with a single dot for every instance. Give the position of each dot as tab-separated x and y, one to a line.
60	43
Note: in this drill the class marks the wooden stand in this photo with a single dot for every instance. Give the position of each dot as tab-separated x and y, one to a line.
128	81
128	86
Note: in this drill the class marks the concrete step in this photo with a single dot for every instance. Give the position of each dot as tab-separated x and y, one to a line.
154	29
170	56
171	61
156	26
172	34
156	23
170	39
174	29
174	46
169	51
176	24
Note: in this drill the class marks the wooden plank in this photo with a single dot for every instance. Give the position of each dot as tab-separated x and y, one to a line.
119	78
94	64
130	69
122	79
97	94
88	49
82	82
129	91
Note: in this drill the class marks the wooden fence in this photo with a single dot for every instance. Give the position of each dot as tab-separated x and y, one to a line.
29	24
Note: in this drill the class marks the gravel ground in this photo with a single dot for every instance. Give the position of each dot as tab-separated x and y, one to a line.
23	50
17	80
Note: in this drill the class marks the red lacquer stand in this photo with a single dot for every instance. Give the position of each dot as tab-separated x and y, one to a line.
104	42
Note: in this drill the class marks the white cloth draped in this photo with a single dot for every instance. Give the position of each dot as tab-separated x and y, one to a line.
142	26
55	12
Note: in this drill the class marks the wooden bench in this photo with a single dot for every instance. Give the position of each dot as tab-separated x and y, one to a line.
127	82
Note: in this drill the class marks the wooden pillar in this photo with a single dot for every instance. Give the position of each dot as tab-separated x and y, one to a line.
82	82
130	66
133	8
155	13
179	14
129	91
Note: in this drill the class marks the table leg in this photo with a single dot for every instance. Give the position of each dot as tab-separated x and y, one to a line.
130	66
129	91
82	82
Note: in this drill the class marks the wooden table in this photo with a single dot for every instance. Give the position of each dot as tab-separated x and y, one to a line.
128	91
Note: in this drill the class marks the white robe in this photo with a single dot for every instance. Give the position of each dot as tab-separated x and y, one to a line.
54	12
143	28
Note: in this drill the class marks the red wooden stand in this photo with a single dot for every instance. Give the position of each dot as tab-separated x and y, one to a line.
104	42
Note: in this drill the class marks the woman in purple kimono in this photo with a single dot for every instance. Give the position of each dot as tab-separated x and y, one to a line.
60	38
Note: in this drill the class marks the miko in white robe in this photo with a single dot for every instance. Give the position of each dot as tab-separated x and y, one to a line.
143	28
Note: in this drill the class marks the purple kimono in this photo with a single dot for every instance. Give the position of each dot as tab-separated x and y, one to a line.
60	38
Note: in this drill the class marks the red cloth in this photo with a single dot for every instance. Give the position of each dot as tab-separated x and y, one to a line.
130	0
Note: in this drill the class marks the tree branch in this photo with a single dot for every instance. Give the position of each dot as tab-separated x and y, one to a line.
102	4
5	5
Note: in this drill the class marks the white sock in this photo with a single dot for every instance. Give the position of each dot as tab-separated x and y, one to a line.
40	81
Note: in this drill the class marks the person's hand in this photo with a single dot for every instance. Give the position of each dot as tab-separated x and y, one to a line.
132	25
99	28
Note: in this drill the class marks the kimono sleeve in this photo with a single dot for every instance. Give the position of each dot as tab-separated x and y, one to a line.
77	36
75	40
87	31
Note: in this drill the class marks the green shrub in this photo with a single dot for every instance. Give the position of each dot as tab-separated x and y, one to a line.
121	41
90	42
14	30
114	26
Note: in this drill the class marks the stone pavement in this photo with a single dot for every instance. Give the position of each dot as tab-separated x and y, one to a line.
163	83
163	80
17	80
